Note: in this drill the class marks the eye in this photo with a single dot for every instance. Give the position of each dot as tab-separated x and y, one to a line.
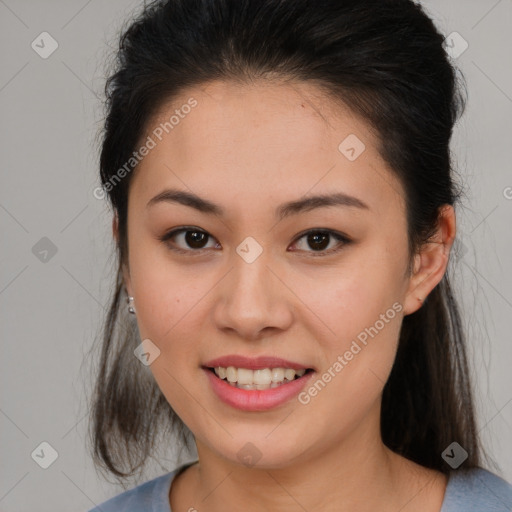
319	239
195	239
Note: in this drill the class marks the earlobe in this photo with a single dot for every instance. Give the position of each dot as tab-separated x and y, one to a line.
431	262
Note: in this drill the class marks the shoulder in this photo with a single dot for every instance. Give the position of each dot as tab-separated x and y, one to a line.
475	490
151	496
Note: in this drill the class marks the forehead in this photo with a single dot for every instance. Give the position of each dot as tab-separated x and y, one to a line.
263	140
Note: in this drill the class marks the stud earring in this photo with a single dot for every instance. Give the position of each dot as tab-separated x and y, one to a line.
131	307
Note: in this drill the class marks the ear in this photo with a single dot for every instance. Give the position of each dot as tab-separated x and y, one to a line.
431	262
125	269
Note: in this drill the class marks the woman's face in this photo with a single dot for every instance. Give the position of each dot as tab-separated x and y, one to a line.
250	282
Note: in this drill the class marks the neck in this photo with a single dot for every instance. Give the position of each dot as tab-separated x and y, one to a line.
357	473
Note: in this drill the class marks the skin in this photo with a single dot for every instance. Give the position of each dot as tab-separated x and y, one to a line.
250	148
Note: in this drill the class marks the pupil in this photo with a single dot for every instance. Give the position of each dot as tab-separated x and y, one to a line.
194	241
314	239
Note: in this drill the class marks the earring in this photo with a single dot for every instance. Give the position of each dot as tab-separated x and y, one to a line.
421	300
131	307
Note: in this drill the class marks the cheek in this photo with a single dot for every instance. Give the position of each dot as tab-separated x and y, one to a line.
170	301
357	322
166	296
358	349
167	302
351	297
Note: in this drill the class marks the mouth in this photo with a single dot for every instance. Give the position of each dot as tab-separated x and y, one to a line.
259	389
259	379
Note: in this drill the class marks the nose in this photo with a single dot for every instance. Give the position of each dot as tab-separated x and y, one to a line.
252	300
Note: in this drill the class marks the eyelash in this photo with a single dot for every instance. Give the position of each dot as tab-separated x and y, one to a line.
344	240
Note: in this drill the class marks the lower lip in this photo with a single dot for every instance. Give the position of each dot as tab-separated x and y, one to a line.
256	399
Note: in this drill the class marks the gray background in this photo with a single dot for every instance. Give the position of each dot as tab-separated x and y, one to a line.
51	311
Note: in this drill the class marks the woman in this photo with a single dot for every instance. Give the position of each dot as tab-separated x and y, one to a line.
284	211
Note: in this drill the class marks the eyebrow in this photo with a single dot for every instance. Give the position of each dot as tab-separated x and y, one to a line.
282	211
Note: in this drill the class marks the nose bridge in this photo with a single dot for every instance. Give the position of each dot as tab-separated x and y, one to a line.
252	298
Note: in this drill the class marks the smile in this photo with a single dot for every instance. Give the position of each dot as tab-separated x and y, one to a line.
251	390
265	378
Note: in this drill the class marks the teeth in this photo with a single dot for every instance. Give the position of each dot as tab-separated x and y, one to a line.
257	379
231	374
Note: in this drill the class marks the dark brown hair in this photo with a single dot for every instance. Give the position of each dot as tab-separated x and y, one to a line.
386	60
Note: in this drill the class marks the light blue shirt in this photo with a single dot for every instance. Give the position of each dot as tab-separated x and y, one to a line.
474	490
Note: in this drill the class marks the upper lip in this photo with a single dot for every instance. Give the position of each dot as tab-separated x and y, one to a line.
254	363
